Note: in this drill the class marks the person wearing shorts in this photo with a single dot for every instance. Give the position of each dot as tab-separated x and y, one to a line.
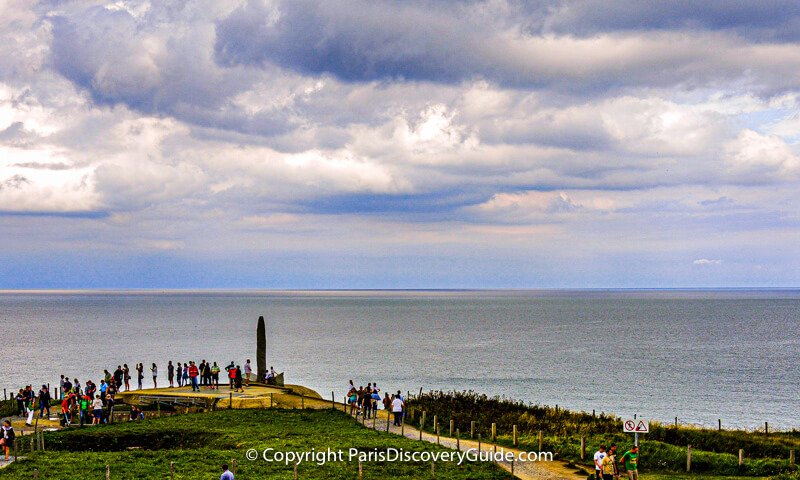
631	462
97	410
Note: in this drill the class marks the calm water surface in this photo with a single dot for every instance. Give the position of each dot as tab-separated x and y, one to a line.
697	355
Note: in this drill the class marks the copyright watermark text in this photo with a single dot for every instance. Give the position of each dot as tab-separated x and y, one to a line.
330	455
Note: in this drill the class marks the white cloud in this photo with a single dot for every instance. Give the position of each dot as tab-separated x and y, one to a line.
705	261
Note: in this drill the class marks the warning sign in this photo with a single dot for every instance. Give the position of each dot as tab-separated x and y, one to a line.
635	426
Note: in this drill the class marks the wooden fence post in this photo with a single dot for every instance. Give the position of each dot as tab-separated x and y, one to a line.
766	428
172	470
479	442
436	425
676	421
688	458
494	432
791	458
333	400
403	426
583	448
719	424
432	473
360	475
108	472
541	438
295	470
472	429
35	474
233	466
388	415
458	440
514	435
452	427
230	400
421	424
741	456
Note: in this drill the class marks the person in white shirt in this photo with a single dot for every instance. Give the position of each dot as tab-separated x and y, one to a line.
397	409
598	461
247	371
97	410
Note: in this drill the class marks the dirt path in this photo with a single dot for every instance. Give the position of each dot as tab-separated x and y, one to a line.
544	470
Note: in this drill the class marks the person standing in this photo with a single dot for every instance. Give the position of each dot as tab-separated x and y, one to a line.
97	410
631	462
193	373
207	375
237	379
179	374
154	369
118	374
44	401
186	373
226	474
140	373
215	376
171	373
608	466
397	410
247	371
20	398
126	375
598	461
231	369
202	369
9	436
61	387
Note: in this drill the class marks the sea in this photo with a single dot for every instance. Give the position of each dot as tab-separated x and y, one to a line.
702	356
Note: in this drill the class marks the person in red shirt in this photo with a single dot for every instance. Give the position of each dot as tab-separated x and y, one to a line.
193	373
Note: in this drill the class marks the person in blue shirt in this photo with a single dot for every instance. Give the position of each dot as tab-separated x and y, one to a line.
226	474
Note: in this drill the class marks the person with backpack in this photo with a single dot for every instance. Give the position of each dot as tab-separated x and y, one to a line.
7	440
231	369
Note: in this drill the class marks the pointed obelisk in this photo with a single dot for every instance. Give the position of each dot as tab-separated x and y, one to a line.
261	350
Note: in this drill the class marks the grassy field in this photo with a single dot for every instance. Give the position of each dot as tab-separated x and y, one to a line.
199	444
663	450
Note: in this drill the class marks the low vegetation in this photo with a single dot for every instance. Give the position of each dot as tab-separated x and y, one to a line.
663	450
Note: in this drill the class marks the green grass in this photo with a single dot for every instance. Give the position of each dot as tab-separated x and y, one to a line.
663	449
200	443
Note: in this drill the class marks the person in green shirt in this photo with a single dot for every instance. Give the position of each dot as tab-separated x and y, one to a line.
631	461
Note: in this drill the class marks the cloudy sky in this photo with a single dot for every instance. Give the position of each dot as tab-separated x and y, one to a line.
399	144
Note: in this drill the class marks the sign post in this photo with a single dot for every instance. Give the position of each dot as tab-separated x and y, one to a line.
635	427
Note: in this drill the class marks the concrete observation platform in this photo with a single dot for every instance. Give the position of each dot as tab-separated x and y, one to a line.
254	396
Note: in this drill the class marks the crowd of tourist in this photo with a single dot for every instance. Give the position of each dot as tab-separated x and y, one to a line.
365	401
94	404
